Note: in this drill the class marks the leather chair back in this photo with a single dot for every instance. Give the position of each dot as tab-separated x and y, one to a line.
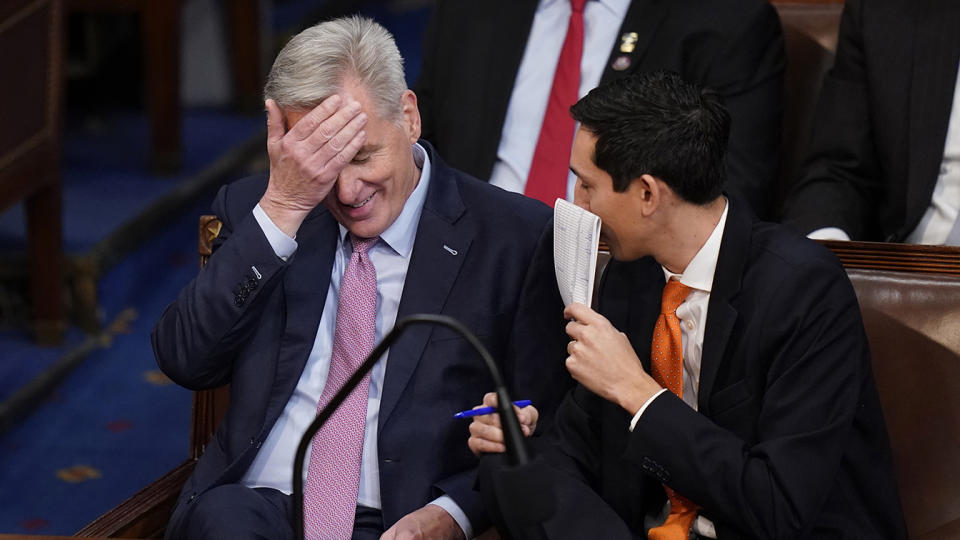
910	301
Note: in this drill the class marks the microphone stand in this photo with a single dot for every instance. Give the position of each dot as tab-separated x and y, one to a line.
513	436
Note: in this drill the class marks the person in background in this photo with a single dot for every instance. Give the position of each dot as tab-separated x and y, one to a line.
725	385
498	78
884	160
357	225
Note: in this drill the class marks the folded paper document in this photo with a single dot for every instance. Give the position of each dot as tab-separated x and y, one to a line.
576	233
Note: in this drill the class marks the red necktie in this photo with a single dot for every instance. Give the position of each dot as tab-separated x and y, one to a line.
666	367
333	476
547	180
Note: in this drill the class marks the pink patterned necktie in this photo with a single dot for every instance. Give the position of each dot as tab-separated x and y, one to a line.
333	475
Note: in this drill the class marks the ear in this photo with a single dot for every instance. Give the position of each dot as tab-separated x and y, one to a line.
410	116
648	192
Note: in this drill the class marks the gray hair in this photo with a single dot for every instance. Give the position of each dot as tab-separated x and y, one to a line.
314	64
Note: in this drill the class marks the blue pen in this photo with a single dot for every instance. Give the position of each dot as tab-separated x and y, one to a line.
487	410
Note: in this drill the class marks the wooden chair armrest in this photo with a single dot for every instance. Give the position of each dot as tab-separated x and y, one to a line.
146	513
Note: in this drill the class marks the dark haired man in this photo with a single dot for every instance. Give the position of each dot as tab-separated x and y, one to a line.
738	400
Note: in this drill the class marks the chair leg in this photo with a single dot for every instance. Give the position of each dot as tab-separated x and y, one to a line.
160	24
243	23
45	247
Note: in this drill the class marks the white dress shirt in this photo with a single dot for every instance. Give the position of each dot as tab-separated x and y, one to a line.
692	313
528	102
938	220
273	465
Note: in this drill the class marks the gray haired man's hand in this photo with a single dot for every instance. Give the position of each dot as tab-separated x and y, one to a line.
306	159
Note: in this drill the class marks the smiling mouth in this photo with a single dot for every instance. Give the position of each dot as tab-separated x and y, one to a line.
361	203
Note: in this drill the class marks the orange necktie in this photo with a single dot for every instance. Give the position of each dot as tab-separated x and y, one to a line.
666	367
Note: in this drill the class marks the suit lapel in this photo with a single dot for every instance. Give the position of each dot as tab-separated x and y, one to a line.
721	315
305	286
431	275
936	50
642	18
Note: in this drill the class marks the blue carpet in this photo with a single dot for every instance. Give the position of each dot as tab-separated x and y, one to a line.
116	423
21	360
105	179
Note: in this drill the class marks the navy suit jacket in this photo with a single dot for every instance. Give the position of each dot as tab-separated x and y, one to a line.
231	326
789	440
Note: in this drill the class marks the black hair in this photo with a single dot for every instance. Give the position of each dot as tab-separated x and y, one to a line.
656	123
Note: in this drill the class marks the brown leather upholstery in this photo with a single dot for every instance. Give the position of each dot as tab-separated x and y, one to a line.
910	300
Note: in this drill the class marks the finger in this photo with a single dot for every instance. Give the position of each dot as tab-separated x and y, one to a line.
490	399
582	313
487	432
492	419
339	150
390	534
528	415
528	420
576	330
313	119
328	168
333	134
571	364
275	129
484	446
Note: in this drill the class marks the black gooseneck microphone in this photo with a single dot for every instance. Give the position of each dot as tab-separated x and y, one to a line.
513	437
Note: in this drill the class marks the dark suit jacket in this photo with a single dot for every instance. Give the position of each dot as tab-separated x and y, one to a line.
789	440
229	327
881	121
472	52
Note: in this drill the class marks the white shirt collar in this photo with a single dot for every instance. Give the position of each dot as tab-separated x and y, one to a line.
699	273
619	7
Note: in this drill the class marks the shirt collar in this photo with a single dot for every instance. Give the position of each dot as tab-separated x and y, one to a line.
401	234
618	7
699	273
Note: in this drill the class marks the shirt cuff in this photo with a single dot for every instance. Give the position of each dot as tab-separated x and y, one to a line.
636	417
456	513
829	233
704	527
282	245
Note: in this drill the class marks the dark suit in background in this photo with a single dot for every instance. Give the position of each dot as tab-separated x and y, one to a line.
472	52
789	440
481	255
881	122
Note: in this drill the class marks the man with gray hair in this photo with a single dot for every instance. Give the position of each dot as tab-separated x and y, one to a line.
297	293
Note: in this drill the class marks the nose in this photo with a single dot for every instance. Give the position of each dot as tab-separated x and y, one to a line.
348	186
580	199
